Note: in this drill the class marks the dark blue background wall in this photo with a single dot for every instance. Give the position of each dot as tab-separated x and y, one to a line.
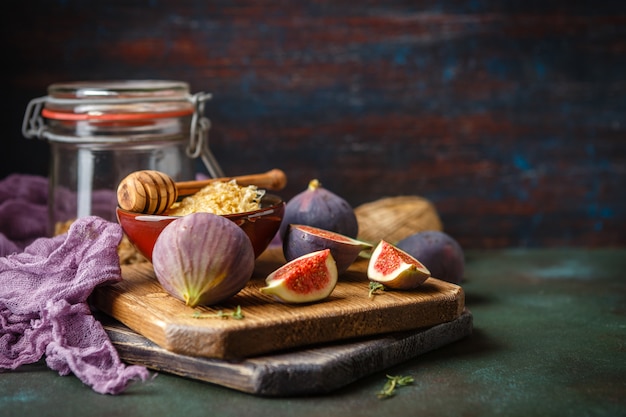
509	115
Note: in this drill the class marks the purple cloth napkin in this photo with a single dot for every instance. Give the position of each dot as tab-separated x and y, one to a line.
23	211
43	301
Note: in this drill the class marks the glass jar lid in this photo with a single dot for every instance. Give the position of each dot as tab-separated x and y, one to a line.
117	100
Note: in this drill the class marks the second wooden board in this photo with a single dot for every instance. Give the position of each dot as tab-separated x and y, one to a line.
318	370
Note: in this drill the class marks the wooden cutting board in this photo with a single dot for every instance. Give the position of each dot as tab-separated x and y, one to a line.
140	303
316	370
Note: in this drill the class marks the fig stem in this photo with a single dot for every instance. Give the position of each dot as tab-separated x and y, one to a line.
314	184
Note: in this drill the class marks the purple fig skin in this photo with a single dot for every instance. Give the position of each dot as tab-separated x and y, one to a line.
302	239
318	207
203	259
439	252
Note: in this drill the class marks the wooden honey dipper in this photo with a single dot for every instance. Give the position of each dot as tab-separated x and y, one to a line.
153	192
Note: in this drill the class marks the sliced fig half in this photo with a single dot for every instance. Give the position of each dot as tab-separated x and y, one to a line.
395	268
306	279
302	239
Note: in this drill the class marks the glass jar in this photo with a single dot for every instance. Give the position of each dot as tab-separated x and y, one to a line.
99	132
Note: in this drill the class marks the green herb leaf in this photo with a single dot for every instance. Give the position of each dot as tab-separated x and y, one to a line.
375	287
389	390
237	314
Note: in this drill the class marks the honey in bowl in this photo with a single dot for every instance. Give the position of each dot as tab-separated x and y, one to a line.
219	198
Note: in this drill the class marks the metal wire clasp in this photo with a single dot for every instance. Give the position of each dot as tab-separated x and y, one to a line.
199	136
33	125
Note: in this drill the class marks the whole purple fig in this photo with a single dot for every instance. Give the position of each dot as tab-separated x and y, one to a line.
439	252
318	207
203	259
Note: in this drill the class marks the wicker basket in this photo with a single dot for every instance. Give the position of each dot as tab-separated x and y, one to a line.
394	218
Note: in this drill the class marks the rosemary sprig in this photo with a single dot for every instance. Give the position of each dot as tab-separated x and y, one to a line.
237	314
389	390
375	287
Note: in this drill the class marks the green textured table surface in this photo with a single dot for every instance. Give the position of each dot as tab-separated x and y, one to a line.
549	339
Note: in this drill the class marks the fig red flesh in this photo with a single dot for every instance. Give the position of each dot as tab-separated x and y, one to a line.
309	278
325	233
395	268
304	277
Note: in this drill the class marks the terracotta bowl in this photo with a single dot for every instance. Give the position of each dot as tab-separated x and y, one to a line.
260	225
